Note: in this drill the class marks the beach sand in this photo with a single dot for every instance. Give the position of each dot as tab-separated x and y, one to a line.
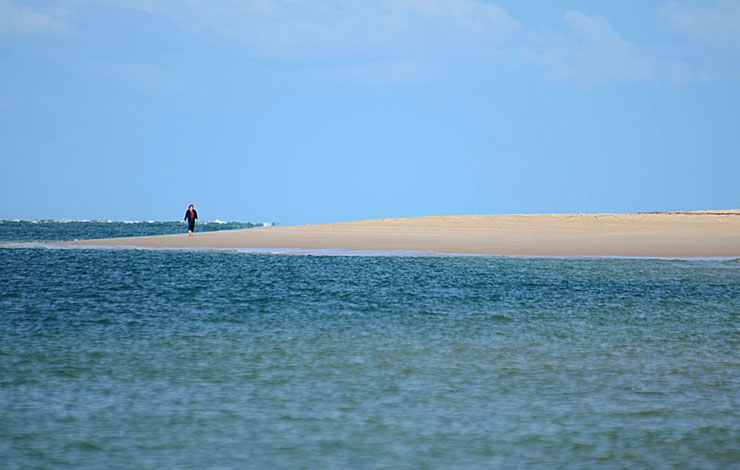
664	234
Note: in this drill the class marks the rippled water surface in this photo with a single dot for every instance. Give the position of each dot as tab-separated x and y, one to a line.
161	359
55	230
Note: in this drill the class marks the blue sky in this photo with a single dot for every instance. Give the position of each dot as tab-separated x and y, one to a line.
310	112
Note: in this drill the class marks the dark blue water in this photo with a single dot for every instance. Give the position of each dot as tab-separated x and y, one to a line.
50	230
186	359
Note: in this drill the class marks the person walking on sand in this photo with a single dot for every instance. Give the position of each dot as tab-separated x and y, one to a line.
191	215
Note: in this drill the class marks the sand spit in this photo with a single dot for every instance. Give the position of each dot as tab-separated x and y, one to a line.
664	234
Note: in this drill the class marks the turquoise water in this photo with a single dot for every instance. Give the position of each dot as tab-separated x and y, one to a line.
113	358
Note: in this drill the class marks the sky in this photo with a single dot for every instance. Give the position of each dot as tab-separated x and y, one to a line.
296	111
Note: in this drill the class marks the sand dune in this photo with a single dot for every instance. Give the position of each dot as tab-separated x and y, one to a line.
667	234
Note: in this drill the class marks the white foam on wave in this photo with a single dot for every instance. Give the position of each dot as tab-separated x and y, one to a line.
55	221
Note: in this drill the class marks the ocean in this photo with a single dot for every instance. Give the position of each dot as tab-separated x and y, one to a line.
227	359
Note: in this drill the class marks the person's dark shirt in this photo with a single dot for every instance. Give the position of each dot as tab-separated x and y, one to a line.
187	215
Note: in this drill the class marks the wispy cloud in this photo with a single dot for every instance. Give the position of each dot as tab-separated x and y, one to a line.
719	24
592	52
404	40
340	28
411	38
17	20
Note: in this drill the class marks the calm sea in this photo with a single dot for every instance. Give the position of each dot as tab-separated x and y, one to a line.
151	359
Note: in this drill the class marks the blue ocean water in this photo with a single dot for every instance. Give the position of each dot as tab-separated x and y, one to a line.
53	230
116	358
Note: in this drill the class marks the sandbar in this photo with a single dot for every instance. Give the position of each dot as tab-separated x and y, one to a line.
655	234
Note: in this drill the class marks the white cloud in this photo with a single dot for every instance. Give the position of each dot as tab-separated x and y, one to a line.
406	40
593	52
409	39
718	25
16	20
340	28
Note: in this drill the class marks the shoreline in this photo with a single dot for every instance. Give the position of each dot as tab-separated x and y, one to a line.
700	234
339	252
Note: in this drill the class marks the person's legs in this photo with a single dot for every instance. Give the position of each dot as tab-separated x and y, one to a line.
191	227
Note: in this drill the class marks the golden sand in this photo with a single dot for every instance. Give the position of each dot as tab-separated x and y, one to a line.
667	234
